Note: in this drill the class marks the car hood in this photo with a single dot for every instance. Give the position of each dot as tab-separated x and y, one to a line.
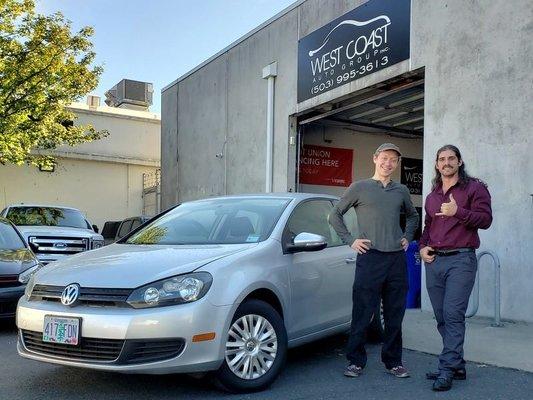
57	231
130	266
13	262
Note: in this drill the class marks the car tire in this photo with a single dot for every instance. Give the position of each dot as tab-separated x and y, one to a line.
376	329
265	351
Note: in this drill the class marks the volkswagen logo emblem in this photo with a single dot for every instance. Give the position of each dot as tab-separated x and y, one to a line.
70	294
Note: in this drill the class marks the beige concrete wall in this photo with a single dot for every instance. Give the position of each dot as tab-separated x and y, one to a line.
364	145
478	86
101	190
134	136
103	178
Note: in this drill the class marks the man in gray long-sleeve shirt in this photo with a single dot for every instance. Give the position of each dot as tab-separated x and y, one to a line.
381	269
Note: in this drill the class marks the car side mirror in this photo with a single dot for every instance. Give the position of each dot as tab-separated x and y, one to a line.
307	242
33	247
95	228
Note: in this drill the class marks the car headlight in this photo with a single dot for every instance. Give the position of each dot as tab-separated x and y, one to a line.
170	291
25	276
29	287
97	244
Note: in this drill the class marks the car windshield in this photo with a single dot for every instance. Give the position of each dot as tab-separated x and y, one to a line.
217	221
9	239
46	216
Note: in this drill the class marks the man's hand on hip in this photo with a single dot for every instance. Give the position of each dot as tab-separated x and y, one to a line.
361	245
427	258
405	244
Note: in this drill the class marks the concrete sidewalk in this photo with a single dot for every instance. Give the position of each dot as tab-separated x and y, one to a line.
510	346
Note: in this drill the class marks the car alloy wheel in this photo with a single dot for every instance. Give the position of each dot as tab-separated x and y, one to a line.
251	347
255	348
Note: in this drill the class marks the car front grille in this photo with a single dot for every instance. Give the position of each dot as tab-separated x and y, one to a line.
9	281
59	245
109	351
142	351
88	296
90	349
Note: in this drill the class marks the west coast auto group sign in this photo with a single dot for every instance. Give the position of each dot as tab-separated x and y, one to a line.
372	37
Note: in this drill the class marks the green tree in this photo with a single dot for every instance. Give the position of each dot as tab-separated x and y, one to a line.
43	68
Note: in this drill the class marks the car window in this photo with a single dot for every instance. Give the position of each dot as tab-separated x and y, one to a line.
312	217
9	239
135	224
109	231
350	220
46	216
214	221
125	228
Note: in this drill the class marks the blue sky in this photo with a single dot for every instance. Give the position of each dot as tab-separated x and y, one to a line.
157	41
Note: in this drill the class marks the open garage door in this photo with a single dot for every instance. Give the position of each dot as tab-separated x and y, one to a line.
336	140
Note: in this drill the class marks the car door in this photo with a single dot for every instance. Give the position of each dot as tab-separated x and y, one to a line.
320	281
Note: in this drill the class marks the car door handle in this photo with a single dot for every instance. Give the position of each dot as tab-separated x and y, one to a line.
351	260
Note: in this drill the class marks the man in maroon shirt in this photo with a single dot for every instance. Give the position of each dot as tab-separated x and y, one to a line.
456	208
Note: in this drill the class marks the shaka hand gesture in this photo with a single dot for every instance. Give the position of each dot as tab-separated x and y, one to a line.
448	209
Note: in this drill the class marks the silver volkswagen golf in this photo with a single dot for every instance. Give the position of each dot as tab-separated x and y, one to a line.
224	284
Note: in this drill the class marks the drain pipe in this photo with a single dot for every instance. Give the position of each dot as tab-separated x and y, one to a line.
269	73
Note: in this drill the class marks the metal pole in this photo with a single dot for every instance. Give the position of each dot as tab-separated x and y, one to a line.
475	296
269	73
496	261
270	134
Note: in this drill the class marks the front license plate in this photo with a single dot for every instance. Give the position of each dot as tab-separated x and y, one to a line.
61	330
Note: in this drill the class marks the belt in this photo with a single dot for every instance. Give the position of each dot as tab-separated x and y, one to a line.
451	252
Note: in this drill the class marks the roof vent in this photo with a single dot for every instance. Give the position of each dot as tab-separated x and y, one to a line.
130	94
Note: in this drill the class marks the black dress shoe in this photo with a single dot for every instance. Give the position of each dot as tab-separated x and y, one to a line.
442	384
458	375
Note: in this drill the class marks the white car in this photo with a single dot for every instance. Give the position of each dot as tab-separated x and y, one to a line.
53	232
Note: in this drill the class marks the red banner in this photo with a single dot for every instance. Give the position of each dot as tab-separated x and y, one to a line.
327	166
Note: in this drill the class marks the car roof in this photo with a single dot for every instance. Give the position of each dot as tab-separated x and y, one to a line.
41	205
145	217
287	195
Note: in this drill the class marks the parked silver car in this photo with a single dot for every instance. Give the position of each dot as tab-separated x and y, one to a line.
223	284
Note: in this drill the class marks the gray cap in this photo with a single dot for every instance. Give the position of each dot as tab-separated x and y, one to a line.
388	146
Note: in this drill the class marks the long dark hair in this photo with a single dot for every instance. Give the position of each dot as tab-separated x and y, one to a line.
463	175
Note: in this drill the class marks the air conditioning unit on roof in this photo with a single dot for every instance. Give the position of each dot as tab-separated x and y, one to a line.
130	94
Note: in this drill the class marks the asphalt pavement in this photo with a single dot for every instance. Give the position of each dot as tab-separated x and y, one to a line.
312	371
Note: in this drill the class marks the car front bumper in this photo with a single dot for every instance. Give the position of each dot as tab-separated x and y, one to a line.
174	322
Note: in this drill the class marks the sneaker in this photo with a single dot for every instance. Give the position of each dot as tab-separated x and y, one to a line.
399	372
352	371
442	384
458	375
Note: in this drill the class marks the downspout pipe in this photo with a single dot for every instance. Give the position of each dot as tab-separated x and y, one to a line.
269	73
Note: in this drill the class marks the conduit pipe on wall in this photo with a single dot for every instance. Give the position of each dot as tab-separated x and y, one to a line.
269	73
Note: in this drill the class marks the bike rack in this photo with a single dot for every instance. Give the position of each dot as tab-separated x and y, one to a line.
496	261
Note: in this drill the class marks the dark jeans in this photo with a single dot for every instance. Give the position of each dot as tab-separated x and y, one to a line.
449	281
378	275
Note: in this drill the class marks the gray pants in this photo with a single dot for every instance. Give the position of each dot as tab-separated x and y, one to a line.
449	281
